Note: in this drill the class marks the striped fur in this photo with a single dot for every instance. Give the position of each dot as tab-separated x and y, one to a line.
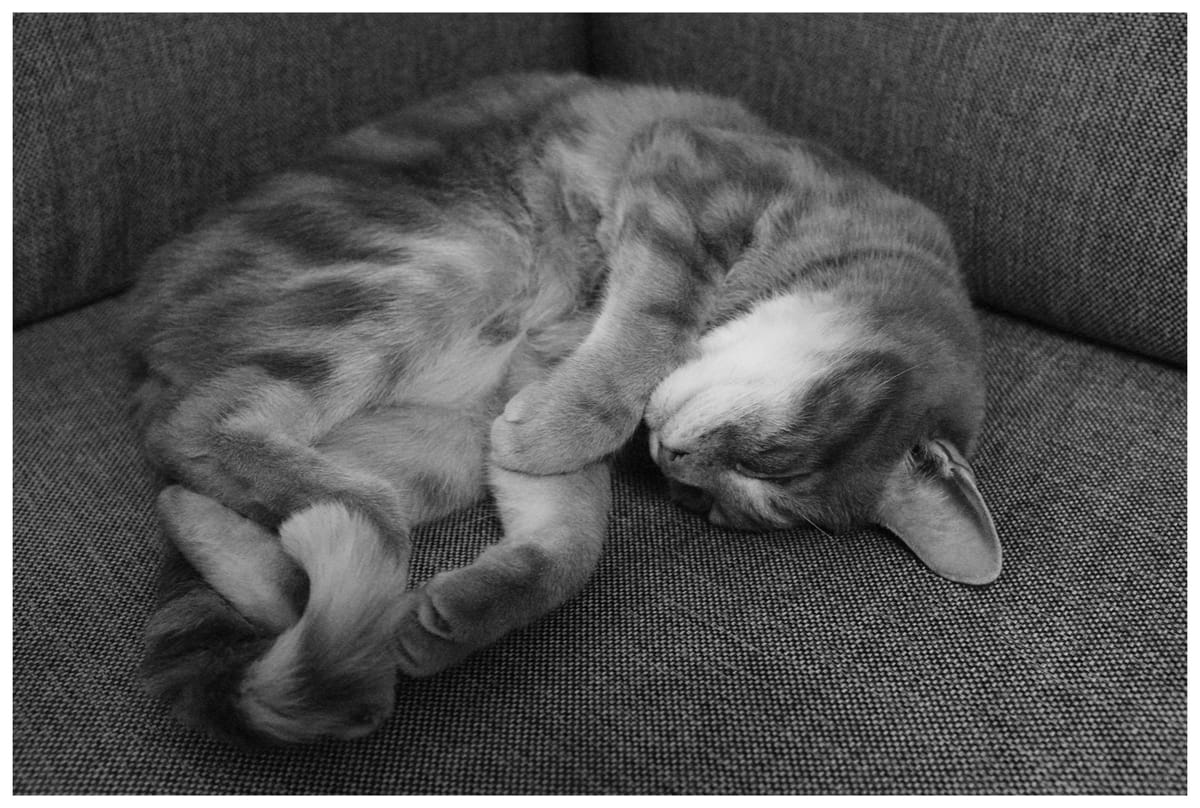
489	291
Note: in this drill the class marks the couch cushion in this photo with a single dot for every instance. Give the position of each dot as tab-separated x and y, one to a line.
697	660
125	127
1054	144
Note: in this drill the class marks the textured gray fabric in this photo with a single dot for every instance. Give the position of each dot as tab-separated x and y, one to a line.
126	127
697	660
1054	144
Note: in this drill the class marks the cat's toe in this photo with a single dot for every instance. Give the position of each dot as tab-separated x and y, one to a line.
519	407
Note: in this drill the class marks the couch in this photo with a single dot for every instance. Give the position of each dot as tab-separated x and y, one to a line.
697	660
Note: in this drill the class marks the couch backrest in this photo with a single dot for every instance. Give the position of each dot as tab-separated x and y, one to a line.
126	127
1054	145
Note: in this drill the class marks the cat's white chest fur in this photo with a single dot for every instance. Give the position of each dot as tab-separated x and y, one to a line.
757	364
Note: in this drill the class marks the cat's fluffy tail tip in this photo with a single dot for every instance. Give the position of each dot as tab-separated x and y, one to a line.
331	675
197	649
293	694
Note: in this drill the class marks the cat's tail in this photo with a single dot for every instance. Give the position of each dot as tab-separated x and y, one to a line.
329	674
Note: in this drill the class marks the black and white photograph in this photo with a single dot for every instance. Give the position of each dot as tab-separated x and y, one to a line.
599	403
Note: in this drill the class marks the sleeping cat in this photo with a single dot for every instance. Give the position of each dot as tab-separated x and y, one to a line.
488	292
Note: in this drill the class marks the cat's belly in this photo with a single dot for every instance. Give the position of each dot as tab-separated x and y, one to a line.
475	372
493	345
466	375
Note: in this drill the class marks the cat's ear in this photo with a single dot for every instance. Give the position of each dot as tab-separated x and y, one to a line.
932	504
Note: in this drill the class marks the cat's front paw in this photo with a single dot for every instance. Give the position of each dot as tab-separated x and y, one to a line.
547	430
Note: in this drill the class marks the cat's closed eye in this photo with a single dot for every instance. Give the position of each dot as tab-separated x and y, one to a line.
756	471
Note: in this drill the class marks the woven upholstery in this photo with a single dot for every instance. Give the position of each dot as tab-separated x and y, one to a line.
125	128
1053	144
697	660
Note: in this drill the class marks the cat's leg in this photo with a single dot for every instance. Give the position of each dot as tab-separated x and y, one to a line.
344	521
250	441
434	456
665	269
329	674
242	560
554	527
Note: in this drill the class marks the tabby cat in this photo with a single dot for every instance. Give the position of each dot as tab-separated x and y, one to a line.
488	292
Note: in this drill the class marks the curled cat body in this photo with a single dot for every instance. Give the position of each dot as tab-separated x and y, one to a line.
487	293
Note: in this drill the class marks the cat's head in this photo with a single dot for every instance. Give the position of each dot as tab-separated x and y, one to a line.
807	410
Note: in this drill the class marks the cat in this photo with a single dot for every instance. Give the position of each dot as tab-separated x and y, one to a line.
488	292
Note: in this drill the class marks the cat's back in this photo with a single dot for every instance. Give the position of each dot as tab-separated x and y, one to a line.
463	196
457	225
378	227
432	237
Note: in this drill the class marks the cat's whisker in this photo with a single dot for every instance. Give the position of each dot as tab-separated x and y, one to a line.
817	527
917	366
